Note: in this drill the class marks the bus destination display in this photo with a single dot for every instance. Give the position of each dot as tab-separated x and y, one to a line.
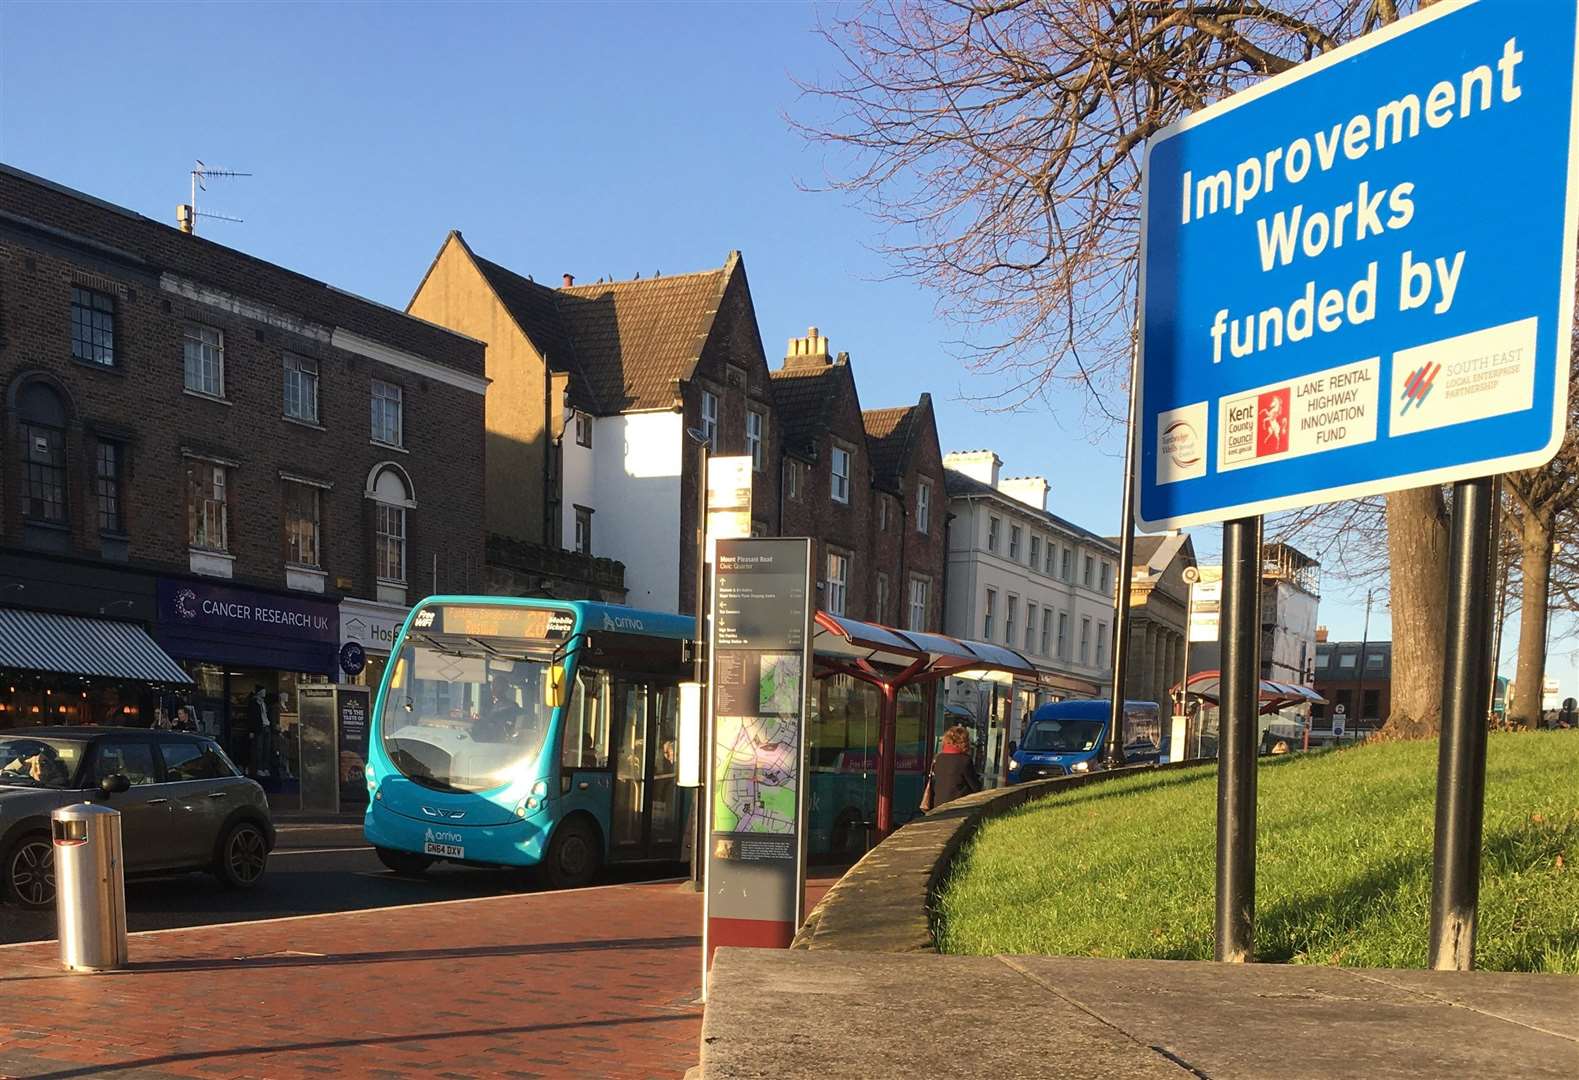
491	620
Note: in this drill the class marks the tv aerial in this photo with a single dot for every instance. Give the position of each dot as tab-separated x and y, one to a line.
188	213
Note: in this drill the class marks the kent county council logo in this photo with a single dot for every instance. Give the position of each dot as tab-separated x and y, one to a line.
1272	430
1418	385
186	604
1181	443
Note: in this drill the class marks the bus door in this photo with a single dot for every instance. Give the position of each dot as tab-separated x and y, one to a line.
645	820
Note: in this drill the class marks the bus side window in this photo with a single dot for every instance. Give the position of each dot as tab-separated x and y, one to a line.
585	730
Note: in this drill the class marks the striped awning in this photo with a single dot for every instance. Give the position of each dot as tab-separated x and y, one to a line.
75	645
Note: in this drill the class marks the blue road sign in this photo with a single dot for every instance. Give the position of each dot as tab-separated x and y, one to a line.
1357	276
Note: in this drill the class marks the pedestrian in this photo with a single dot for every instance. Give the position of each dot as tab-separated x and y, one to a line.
953	770
262	732
183	719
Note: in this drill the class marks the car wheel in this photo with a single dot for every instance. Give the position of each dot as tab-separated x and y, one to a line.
404	862
243	855
574	855
29	871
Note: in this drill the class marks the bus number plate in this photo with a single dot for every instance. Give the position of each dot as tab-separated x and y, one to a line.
444	851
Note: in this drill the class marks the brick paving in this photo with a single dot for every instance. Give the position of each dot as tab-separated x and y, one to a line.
594	982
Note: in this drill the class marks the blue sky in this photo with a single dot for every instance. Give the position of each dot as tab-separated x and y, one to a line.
597	139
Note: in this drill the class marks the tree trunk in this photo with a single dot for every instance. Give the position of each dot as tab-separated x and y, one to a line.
1417	553
1529	678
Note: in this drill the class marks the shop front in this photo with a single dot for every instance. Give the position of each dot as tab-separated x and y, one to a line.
372	627
249	652
74	643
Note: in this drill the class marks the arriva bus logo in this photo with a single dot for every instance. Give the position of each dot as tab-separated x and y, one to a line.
621	622
443	836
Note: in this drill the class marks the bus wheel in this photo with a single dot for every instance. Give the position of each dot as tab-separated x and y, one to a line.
574	855
404	862
848	839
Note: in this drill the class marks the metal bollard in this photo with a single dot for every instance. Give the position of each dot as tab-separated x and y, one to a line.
90	887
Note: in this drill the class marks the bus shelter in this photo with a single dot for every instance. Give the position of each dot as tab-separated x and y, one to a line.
1203	688
890	660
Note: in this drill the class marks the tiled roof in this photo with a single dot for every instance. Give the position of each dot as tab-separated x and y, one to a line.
535	309
804	397
623	343
960	486
126	236
889	434
1155	551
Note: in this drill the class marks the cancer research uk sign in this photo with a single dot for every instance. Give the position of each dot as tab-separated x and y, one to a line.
1358	276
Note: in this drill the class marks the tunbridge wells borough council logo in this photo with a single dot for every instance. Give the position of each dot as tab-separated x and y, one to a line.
1182	443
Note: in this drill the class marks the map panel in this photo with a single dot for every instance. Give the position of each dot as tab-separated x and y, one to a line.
756	767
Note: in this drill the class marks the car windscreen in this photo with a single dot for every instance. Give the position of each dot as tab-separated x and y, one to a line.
35	761
464	716
1062	736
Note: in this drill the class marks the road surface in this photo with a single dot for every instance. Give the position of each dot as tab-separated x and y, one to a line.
316	868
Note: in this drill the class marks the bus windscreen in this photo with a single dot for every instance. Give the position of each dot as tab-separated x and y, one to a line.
462	718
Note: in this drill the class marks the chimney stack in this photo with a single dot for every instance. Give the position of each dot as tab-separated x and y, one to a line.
570	279
1031	490
183	218
1321	635
810	351
981	465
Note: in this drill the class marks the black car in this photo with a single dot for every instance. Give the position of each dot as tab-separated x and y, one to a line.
183	805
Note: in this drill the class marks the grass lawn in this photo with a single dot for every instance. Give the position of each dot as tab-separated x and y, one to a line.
1343	863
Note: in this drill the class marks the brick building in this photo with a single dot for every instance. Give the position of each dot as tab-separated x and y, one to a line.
1357	675
244	463
909	539
593	390
865	485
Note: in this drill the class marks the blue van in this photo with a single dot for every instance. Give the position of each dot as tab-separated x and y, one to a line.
1066	737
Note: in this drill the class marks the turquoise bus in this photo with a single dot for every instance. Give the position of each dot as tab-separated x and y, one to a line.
529	732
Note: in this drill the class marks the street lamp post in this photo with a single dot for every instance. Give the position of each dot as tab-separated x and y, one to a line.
1359	668
699	662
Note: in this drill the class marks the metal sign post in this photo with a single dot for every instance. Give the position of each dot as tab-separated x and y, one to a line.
1113	752
1239	733
1466	705
1321	320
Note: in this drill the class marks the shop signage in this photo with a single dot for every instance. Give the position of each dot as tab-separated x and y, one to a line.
760	649
352	658
353	715
1340	296
373	626
197	605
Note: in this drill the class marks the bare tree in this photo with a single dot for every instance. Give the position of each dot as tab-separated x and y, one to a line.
999	141
1539	498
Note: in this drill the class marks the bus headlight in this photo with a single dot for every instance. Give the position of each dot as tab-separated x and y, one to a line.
540	788
1013	765
1080	766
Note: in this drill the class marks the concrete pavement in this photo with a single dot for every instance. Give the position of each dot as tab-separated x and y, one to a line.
827	1013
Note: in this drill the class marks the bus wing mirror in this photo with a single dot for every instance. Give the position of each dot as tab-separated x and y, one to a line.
554	686
689	736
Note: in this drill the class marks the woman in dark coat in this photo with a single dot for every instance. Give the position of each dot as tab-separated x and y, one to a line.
954	770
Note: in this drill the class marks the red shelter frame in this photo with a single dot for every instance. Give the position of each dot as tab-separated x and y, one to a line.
891	659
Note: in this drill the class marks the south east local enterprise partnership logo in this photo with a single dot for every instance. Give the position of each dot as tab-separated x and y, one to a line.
1417	386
